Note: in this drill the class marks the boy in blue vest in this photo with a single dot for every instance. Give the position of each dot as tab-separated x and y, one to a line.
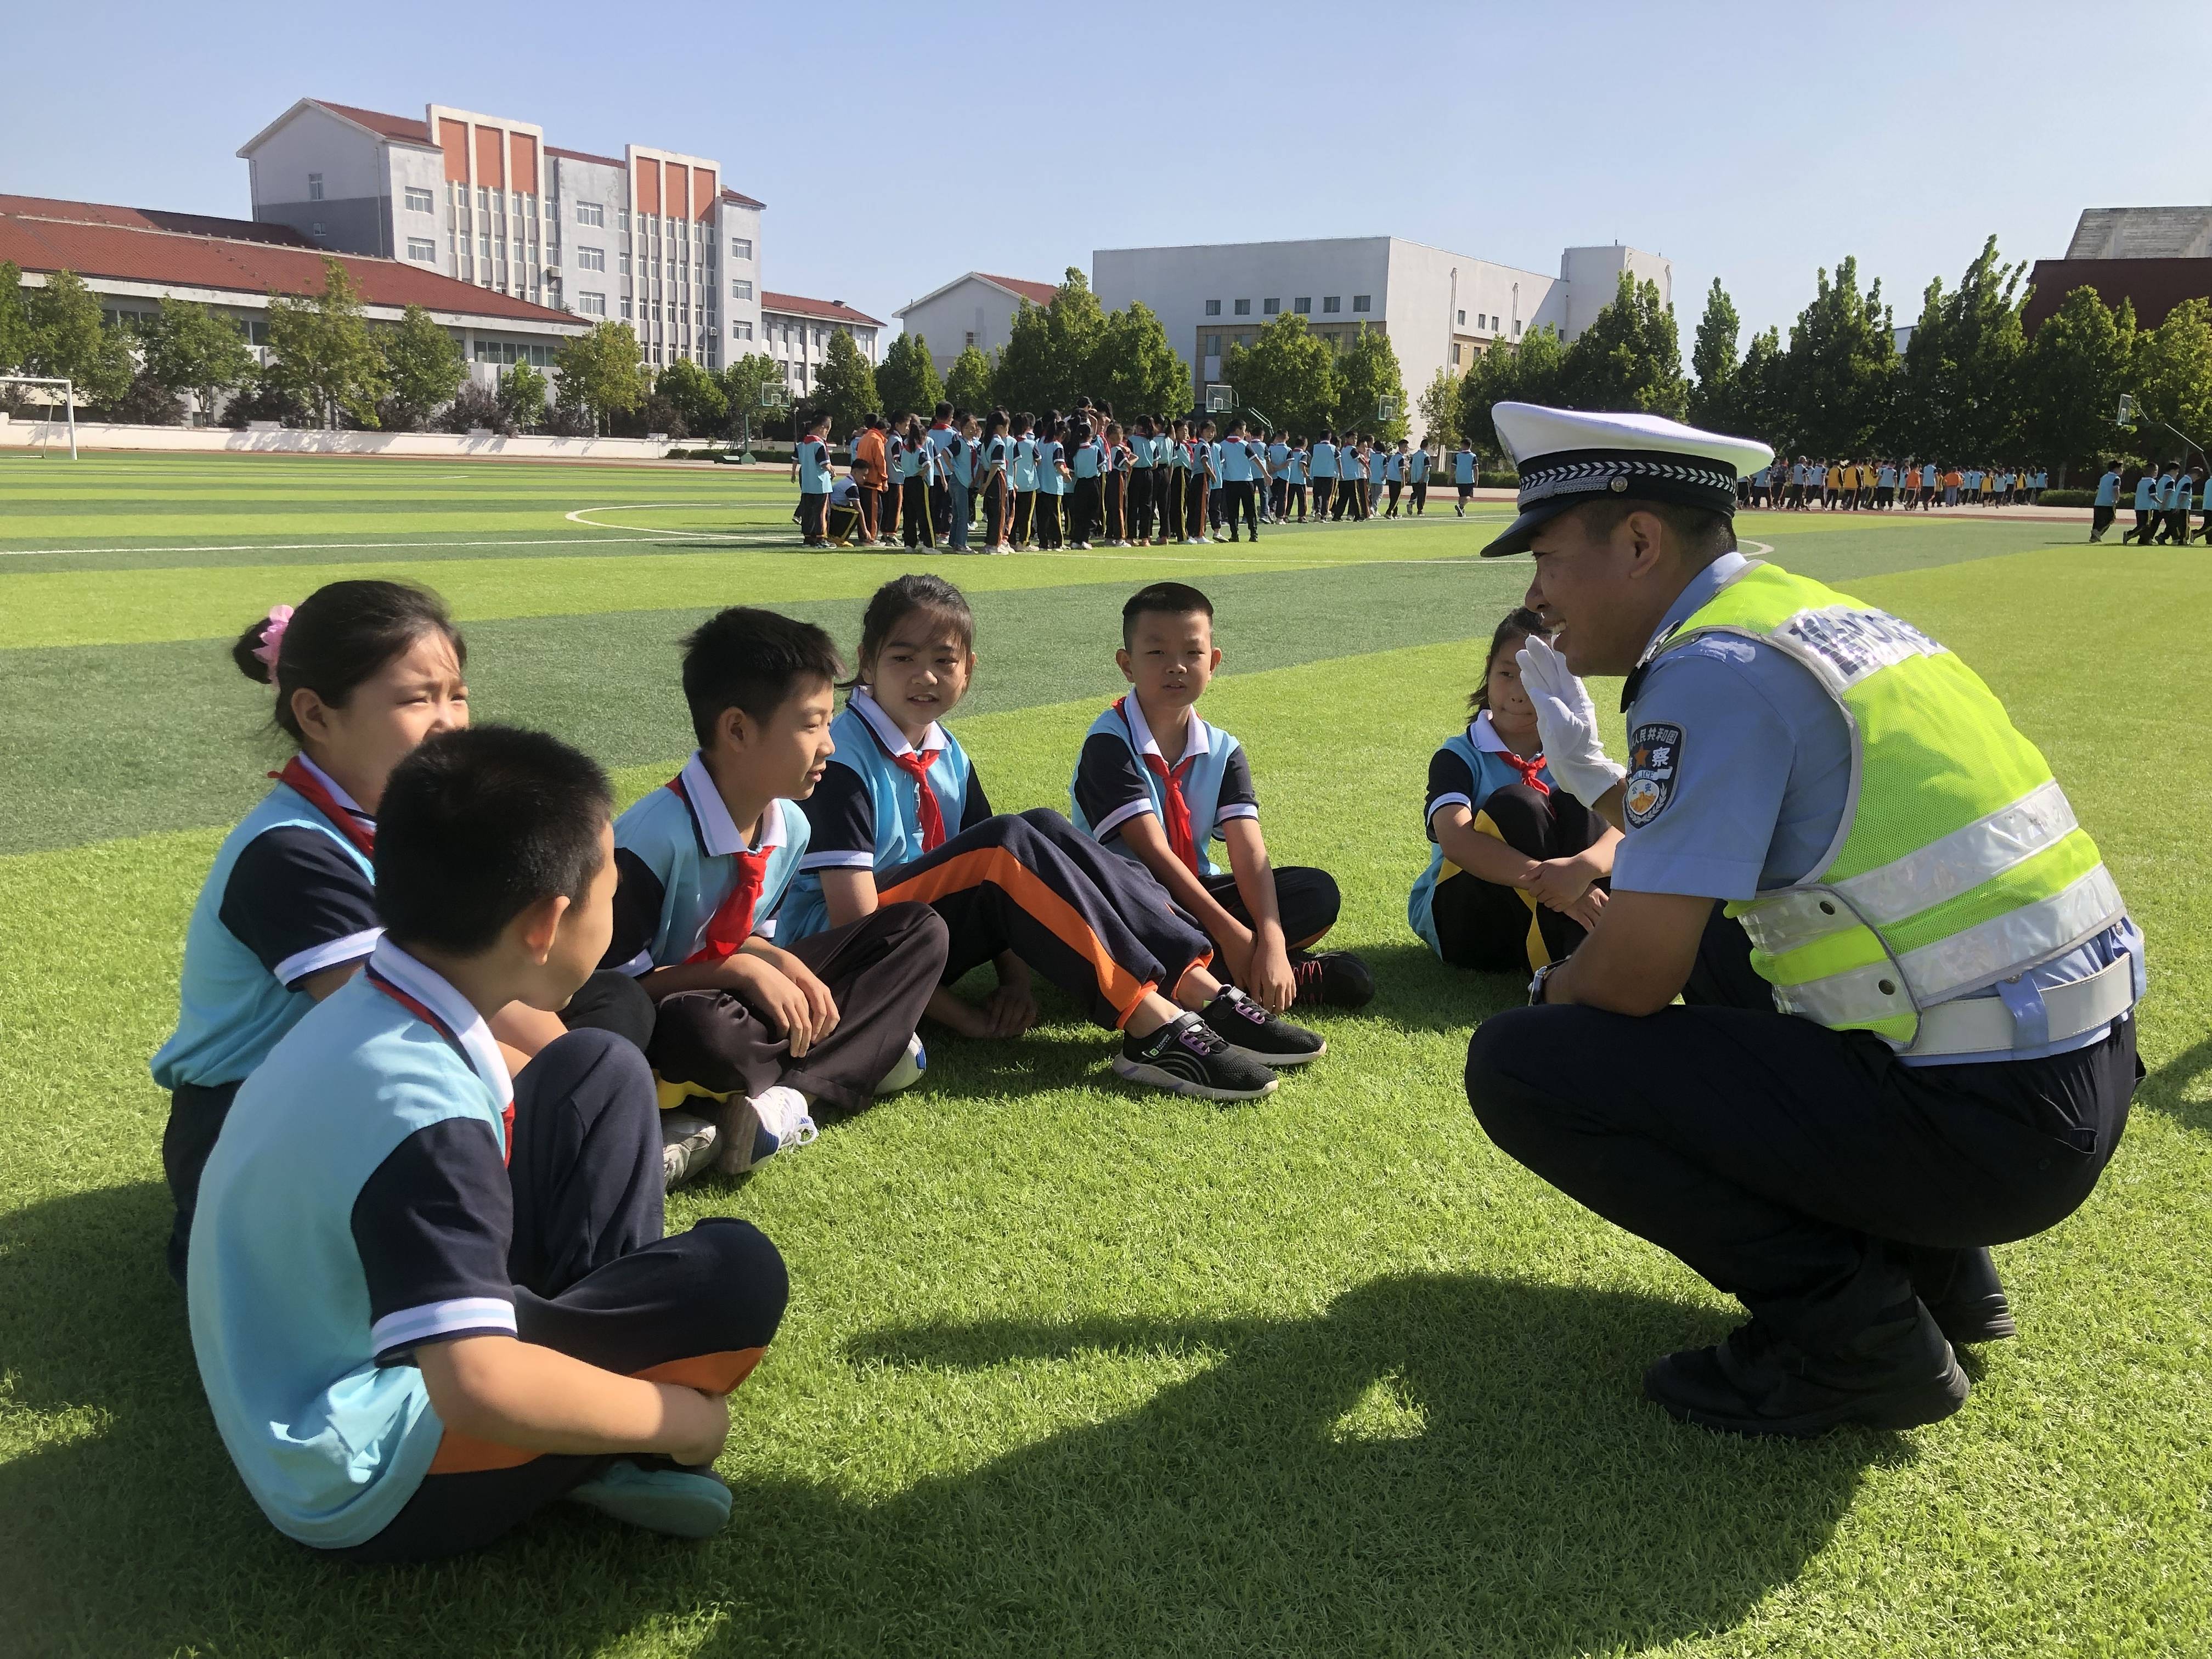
1156	784
762	1032
426	1301
810	465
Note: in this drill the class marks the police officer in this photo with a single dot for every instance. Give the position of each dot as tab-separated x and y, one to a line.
1907	978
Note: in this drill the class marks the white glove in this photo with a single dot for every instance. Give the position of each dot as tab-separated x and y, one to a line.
1566	721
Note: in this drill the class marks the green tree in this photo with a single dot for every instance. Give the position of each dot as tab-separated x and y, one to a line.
14	319
1135	371
1761	393
1960	393
1529	372
2173	383
1367	374
697	395
2076	366
602	373
522	396
1841	370
68	341
192	349
1629	357
1438	408
1050	348
322	351
1288	374
845	386
424	368
907	379
1713	398
968	382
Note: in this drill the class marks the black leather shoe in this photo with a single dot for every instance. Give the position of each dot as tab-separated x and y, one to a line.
1961	1289
1979	1319
1900	1374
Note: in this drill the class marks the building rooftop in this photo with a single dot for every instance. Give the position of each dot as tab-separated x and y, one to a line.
835	311
75	239
130	218
2142	232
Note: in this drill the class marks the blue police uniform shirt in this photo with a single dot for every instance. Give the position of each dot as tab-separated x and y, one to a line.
813	467
289	896
355	1207
1463	467
1466	772
674	856
1324	460
1752	759
865	814
1113	784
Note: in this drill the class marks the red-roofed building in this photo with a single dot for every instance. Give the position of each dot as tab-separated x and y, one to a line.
652	237
977	309
795	331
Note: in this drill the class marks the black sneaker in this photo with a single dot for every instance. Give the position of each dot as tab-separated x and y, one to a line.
1900	1374
1243	1023
1334	979
1187	1056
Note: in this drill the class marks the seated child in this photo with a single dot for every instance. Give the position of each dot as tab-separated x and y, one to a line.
1156	784
425	1303
763	1030
844	522
1512	882
901	816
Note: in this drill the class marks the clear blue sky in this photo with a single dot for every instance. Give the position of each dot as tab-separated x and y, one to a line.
897	146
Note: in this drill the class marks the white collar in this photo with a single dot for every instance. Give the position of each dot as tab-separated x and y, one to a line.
1147	744
436	992
337	790
713	817
1484	735
862	701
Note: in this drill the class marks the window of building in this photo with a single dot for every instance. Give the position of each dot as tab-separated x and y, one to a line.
621	218
1245	342
621	262
1243	307
1332	302
316	228
484	199
591	258
1462	320
1214	345
741	330
592	304
314	186
970	338
1455	351
1362	301
625	307
740	289
1303	305
1516	328
1213	307
422	247
483	244
1270	307
741	247
420	200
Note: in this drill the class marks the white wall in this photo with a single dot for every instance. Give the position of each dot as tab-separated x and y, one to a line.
968	307
1593	278
735	221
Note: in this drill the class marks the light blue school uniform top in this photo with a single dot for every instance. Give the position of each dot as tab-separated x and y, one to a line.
1278	456
231	1007
1463	466
1233	461
1885	478
865	814
2184	491
1293	468
1418	466
1928	476
316	1395
1025	466
2108	490
1479	749
1049	452
1324	460
1393	467
814	477
1216	789
1350	463
1752	762
2146	493
675	850
1140	452
1084	461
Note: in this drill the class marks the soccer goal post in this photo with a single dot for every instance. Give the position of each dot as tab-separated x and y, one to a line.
68	390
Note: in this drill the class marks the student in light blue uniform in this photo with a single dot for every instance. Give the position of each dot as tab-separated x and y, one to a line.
1351	480
1144	473
2106	505
1236	469
2148	489
810	465
1085	473
1418	467
363	671
1462	477
1053	482
1025	480
1295	463
394	1237
1324	465
1278	483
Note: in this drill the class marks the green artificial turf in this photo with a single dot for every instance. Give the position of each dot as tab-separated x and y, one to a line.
1073	1369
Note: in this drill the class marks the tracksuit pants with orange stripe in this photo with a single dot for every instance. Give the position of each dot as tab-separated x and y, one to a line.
595	1279
1092	922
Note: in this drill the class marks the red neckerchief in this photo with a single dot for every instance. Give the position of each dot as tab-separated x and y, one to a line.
731	924
423	1011
1527	769
356	827
1180	842
915	764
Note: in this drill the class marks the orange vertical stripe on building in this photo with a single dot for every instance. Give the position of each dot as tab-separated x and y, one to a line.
679	188
648	185
702	192
491	167
453	139
522	162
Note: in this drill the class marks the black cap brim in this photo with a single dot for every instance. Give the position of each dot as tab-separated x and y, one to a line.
1532	518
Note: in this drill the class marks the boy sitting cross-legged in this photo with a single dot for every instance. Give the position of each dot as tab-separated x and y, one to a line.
425	1303
761	1031
1157	784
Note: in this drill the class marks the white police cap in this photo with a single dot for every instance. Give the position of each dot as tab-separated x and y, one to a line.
1569	456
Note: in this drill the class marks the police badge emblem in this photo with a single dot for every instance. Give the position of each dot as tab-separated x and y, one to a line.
1654	759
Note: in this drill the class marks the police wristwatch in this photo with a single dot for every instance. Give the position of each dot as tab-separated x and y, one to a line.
1536	985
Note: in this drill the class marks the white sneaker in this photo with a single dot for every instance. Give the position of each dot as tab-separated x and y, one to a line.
757	1128
909	1071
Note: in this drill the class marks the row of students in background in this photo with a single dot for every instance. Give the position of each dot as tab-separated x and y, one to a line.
2164	495
448	1028
1846	486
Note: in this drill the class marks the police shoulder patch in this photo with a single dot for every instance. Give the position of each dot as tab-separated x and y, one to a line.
1654	758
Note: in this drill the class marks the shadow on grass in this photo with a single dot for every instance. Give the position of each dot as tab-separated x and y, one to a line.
1417	991
2166	1088
1432	1463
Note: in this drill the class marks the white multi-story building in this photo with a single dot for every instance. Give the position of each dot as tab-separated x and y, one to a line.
1441	310
977	309
651	237
796	331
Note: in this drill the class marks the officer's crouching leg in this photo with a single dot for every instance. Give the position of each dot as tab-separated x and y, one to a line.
1505	1052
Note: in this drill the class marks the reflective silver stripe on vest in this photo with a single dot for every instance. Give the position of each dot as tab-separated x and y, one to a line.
1984	1025
1959	863
1969	961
